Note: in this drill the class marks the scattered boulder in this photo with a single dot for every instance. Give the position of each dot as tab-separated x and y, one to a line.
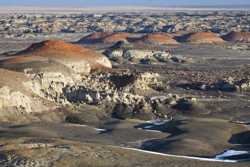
183	104
146	61
171	101
220	85
133	55
122	111
141	111
224	86
162	56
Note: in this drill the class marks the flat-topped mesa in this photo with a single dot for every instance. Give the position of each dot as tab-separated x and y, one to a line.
202	38
237	37
115	37
75	57
95	37
157	38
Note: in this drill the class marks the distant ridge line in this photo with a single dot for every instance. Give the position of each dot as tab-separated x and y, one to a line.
36	9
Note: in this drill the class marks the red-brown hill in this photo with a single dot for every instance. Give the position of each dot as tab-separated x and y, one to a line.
115	37
65	53
95	37
202	38
237	37
157	38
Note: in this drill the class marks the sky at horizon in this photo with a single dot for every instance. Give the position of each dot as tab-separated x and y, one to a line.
82	3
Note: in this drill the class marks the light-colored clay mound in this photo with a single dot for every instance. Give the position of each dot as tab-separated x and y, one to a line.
157	38
237	37
202	38
115	37
76	57
15	99
95	37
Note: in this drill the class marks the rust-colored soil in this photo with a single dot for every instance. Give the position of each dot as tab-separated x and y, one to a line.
159	38
94	37
202	37
115	37
57	49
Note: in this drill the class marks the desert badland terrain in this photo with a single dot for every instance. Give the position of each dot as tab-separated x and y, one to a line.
109	89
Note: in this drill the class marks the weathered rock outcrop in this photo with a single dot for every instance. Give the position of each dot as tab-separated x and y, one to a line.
134	55
94	89
15	98
49	85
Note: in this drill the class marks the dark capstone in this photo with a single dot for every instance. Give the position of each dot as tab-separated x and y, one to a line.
183	105
73	119
168	28
177	60
121	44
143	113
193	86
118	60
145	61
3	158
122	80
240	138
225	86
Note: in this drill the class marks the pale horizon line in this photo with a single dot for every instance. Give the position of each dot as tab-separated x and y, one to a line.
127	5
124	8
